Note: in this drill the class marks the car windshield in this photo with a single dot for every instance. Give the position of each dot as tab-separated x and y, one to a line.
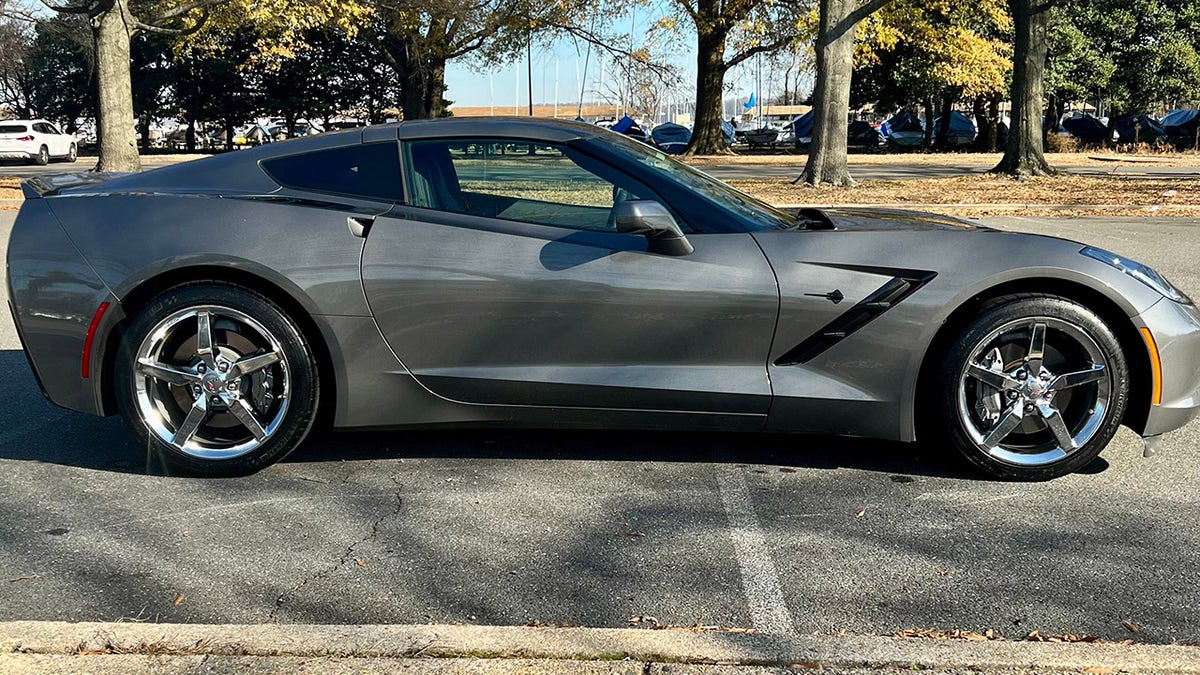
758	214
13	128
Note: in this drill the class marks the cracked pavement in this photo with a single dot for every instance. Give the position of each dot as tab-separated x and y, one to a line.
587	528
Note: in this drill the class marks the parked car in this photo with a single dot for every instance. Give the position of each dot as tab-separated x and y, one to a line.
390	279
36	141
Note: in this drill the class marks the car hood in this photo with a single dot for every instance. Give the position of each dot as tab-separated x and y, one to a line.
882	219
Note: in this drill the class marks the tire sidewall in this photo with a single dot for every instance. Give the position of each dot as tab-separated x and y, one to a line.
302	373
993	318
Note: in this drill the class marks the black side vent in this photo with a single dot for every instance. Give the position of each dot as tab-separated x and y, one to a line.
884	298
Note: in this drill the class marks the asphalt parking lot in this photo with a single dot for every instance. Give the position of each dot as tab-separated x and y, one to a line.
780	533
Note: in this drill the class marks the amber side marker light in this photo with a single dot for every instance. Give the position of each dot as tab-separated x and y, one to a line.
1155	367
85	367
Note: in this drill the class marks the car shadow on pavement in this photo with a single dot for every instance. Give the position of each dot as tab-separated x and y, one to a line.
33	429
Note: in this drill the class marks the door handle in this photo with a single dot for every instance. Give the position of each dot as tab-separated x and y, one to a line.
359	225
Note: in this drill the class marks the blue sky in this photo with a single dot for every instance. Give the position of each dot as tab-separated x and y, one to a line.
505	85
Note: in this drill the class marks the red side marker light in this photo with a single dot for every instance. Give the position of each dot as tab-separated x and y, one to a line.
85	367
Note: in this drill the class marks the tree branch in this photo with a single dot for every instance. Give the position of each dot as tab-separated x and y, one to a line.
69	8
853	18
759	49
181	10
160	30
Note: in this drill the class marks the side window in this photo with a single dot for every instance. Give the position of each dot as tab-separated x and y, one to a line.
40	128
51	129
545	184
371	171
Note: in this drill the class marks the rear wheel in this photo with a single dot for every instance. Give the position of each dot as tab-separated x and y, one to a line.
73	153
217	380
1034	388
42	158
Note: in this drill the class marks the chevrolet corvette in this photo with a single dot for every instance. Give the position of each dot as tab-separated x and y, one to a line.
512	272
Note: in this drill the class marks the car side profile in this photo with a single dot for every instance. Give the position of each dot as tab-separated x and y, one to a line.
512	272
36	142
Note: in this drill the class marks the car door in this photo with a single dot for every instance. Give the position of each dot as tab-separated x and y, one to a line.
503	281
58	142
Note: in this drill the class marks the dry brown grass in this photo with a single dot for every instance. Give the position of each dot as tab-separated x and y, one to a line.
991	195
10	188
1105	158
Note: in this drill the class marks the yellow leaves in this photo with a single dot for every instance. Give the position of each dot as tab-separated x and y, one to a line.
280	23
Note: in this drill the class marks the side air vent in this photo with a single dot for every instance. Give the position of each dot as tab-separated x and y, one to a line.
884	298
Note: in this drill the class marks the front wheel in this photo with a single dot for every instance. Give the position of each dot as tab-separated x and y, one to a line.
217	380
1034	388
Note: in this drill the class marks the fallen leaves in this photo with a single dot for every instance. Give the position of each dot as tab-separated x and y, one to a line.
861	513
976	195
25	577
179	599
1130	626
359	562
990	635
652	623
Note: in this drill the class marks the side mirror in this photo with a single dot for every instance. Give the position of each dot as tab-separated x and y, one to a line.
649	218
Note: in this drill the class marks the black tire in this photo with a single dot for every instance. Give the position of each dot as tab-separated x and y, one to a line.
43	156
1096	422
294	420
73	154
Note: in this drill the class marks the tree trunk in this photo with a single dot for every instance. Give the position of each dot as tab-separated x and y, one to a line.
834	48
928	103
1023	157
228	134
994	117
422	87
144	131
114	94
189	137
707	136
986	140
943	132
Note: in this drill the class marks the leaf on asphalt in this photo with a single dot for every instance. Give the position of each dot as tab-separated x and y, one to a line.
359	562
928	633
643	619
634	533
861	513
942	571
179	599
187	533
25	577
1130	626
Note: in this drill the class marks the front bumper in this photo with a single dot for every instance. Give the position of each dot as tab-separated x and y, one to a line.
1176	331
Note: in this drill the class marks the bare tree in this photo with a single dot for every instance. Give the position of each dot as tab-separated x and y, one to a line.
16	71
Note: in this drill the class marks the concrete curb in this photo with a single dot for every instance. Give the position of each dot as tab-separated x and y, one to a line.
585	644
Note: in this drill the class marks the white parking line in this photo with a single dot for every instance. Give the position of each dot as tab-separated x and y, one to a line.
760	580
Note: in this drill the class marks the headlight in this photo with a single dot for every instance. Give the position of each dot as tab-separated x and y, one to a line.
1147	275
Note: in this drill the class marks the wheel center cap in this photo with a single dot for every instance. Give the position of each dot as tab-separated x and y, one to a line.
212	383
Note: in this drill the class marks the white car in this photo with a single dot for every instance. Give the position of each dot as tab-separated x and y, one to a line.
36	141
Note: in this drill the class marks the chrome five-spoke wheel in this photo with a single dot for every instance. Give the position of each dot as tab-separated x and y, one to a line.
1034	387
212	382
1026	401
218	379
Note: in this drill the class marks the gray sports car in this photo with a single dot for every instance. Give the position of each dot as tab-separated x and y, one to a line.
553	274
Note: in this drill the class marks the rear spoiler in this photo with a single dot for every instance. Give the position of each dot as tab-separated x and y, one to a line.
48	186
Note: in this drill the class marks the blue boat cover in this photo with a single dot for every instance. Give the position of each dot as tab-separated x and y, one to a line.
1150	131
960	125
802	125
1086	128
1180	127
902	121
671	137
